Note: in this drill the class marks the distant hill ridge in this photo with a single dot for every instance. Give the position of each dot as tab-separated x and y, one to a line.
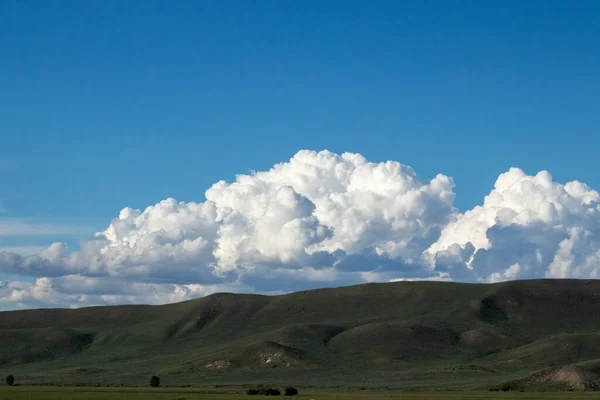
402	334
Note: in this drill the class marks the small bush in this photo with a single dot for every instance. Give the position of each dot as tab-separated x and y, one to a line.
10	380
506	387
263	390
155	381
290	391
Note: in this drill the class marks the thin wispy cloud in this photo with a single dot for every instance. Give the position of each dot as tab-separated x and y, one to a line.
12	226
23	250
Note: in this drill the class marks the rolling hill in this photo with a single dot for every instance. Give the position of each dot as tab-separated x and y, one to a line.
403	334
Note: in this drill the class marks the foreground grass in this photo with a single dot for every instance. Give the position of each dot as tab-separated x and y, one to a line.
79	393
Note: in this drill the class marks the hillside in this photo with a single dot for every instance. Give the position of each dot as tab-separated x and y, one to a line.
404	334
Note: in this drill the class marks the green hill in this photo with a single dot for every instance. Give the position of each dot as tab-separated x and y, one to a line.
404	334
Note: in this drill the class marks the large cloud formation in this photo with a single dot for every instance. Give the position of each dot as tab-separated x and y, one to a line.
320	219
527	227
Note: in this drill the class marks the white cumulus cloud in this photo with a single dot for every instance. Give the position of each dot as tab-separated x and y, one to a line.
527	227
318	219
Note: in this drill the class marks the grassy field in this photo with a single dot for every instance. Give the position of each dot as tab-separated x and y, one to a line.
402	335
64	393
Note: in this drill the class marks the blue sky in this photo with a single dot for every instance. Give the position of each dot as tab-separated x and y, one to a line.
106	105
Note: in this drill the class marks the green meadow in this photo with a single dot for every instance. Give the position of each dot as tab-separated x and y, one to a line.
541	335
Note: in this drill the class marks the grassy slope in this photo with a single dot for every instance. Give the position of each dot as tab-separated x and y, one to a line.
417	334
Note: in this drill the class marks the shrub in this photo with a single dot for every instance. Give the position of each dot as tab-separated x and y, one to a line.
263	390
506	387
155	381
290	391
10	380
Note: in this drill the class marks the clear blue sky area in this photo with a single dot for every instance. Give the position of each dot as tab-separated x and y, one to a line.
108	104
